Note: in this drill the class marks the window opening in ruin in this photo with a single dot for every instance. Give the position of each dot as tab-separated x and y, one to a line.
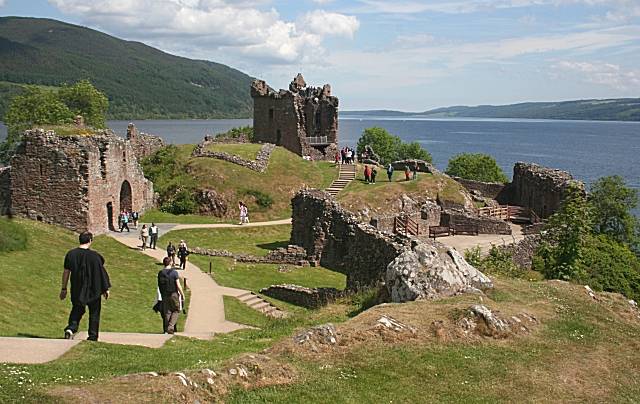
317	120
103	163
39	218
271	114
126	200
278	137
124	156
41	169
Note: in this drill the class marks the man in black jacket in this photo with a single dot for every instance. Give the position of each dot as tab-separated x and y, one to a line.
89	281
172	295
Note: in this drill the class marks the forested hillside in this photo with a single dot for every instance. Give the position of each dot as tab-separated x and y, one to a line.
140	81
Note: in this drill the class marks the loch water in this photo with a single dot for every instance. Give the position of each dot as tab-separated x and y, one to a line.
587	149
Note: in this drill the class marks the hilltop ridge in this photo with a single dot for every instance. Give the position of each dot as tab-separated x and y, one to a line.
141	81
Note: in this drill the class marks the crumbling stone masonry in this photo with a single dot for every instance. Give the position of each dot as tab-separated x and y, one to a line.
302	296
540	188
302	119
79	182
143	144
410	268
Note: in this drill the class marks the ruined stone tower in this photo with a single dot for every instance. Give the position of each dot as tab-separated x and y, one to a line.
79	182
302	119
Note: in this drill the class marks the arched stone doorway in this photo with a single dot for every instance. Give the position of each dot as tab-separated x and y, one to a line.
126	200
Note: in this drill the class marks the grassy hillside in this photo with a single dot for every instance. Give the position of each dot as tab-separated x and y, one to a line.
383	196
31	284
286	174
620	109
140	81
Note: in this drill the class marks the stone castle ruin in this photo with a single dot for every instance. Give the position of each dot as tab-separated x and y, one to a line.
80	182
302	119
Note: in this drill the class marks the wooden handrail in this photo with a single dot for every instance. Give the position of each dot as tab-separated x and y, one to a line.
405	225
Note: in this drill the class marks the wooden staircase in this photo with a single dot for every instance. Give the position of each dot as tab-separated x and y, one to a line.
258	303
347	174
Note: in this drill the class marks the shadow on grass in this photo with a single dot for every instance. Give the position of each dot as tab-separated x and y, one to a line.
273	245
362	301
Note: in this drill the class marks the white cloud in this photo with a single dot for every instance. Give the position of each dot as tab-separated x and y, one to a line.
608	74
3	2
323	23
211	28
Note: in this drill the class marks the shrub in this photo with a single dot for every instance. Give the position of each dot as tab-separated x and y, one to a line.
497	261
181	203
235	133
477	167
262	199
611	267
13	237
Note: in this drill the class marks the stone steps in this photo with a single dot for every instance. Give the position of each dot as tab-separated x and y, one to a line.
257	303
346	175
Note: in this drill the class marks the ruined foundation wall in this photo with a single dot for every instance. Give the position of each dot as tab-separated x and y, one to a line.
5	190
70	180
334	238
494	190
486	225
539	188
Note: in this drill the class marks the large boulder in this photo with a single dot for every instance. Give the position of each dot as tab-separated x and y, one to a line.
211	203
430	271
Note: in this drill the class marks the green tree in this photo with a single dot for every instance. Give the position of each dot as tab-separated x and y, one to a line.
611	266
413	150
565	236
476	166
612	202
384	144
84	99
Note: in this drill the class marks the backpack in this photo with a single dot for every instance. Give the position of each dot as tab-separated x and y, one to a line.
165	283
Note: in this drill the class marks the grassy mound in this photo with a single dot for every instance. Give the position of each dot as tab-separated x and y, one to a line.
31	284
579	350
13	236
286	174
384	194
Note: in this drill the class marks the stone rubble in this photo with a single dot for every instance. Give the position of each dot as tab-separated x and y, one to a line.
260	164
390	323
322	334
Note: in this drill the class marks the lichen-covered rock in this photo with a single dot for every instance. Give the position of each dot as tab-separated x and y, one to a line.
324	334
211	203
430	271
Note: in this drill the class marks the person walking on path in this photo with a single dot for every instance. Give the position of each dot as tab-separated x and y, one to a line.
125	222
244	212
415	170
89	282
144	235
172	294
153	234
390	171
373	175
171	253
134	218
183	252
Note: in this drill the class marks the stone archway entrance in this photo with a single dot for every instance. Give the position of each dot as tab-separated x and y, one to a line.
126	200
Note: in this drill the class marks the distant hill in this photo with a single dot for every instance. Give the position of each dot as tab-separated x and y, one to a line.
622	109
140	81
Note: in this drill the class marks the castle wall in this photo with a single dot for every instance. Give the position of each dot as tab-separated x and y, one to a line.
287	117
334	238
70	180
539	188
494	190
5	190
143	144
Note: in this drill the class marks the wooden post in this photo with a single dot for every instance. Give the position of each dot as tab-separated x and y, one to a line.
209	267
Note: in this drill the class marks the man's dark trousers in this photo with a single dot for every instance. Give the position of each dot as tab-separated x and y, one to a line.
78	310
153	241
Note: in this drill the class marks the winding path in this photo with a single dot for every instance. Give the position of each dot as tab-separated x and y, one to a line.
205	318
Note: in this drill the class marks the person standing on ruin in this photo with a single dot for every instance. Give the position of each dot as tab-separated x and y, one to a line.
172	295
153	234
89	283
373	175
390	171
367	174
407	173
415	170
144	236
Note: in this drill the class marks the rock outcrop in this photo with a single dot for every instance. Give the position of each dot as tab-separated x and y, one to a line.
431	271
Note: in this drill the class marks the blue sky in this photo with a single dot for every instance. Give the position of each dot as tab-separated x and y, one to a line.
409	55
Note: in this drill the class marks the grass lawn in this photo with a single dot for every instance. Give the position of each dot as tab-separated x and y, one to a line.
31	284
257	276
243	240
380	194
247	151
